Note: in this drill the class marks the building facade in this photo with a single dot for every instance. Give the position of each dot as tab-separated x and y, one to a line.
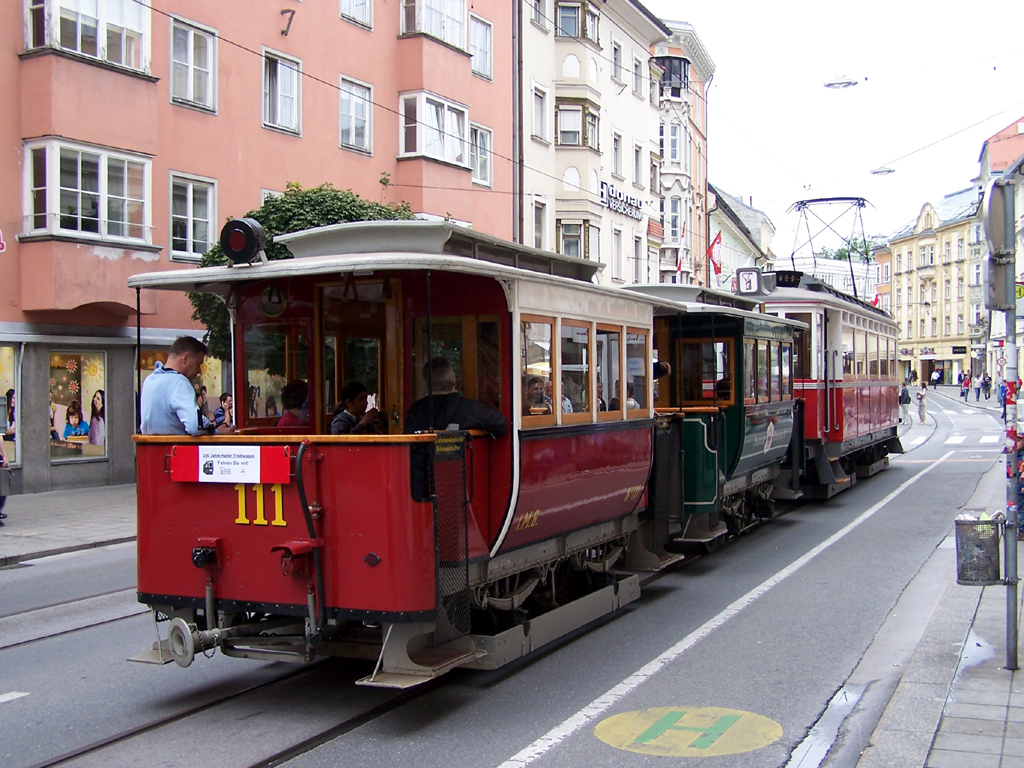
687	71
131	133
933	287
740	235
589	182
882	256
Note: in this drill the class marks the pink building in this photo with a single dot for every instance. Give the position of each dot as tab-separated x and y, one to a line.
131	133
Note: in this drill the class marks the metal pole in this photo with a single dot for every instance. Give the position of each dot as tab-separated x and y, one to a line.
1013	476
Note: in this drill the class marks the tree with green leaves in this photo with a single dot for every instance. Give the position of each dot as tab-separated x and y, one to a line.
858	250
295	210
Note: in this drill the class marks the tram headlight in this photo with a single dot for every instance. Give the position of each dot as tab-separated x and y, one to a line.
243	240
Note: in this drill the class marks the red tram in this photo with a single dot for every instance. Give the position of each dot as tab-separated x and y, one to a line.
846	377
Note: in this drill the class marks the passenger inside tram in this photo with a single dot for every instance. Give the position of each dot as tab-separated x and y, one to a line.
450	409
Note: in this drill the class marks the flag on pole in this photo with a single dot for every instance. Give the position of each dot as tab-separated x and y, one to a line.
716	263
679	251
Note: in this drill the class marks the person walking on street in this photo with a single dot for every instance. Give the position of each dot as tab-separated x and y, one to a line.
977	387
904	405
921	397
936	378
986	385
965	387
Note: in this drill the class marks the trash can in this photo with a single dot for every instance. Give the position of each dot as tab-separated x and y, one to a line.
977	552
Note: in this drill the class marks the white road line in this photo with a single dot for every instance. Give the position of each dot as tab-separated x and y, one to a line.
606	701
951	412
955	439
5	697
918	440
991	438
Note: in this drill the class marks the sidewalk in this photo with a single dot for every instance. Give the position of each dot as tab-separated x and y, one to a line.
41	524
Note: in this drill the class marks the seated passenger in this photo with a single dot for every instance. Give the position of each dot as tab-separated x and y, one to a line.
293	397
535	402
352	416
451	410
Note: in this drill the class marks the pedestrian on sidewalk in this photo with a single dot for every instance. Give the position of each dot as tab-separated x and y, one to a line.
986	385
904	405
936	378
5	480
921	397
965	387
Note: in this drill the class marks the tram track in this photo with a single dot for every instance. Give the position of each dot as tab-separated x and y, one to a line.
62	618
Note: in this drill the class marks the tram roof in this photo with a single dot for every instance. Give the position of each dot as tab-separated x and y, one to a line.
672	297
389	245
799	287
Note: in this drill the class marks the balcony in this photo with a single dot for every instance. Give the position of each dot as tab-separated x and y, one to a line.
926	271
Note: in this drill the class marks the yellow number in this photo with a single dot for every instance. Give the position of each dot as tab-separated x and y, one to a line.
260	519
633	493
241	519
278	505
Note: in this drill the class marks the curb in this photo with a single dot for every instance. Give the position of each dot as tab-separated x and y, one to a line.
15	559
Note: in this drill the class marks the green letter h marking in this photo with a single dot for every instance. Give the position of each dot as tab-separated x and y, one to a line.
708	736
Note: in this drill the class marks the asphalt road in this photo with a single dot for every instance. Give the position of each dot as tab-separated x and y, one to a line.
754	640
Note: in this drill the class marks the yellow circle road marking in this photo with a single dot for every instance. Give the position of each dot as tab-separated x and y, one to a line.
688	731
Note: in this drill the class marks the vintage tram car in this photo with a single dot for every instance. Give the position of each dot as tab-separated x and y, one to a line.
846	379
448	548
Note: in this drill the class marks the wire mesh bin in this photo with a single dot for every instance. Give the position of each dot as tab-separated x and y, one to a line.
977	552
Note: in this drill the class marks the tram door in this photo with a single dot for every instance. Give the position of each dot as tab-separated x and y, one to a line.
360	343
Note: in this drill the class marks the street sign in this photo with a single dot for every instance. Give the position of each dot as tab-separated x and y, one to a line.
1019	290
1001	361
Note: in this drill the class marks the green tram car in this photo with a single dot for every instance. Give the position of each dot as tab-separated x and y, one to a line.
726	418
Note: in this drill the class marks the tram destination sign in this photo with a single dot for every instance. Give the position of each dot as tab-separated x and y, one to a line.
620	202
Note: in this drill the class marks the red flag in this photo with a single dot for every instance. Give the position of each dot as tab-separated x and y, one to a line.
679	251
874	301
715	263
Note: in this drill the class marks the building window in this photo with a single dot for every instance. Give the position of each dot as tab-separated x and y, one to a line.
638	165
948	253
616	253
78	405
356	10
910	331
539	15
948	287
674	131
948	326
617	155
638	264
443	19
638	78
114	31
570	126
568	21
572	235
539	215
922	329
655	181
960	325
887	301
282	92
617	62
192	212
480	45
594	243
977	274
675	216
935	326
960	249
434	127
959	287
480	154
87	191
935	293
910	295
899	264
592	25
592	130
354	104
885	273
540	111
192	65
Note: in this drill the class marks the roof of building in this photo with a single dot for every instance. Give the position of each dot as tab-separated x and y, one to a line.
954	207
1004	147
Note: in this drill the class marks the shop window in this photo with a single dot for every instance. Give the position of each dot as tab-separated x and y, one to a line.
78	406
8	387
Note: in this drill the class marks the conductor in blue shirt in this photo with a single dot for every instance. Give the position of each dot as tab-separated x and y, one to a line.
168	403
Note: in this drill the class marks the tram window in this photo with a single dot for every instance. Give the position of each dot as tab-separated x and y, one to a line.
801	346
762	371
873	356
535	337
274	355
883	357
848	352
862	353
488	362
750	366
787	370
706	373
638	371
607	352
776	371
575	370
446	340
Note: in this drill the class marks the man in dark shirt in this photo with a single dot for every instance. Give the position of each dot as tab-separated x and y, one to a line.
451	409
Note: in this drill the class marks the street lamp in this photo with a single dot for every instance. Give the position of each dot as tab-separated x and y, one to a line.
883	171
838	83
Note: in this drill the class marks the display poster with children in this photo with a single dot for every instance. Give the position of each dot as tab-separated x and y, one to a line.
78	405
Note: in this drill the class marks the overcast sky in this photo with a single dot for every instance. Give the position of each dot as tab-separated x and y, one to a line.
924	70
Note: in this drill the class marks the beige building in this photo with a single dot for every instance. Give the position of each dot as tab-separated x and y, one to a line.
932	277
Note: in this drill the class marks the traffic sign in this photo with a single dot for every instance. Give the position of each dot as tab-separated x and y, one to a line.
1019	290
1001	361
